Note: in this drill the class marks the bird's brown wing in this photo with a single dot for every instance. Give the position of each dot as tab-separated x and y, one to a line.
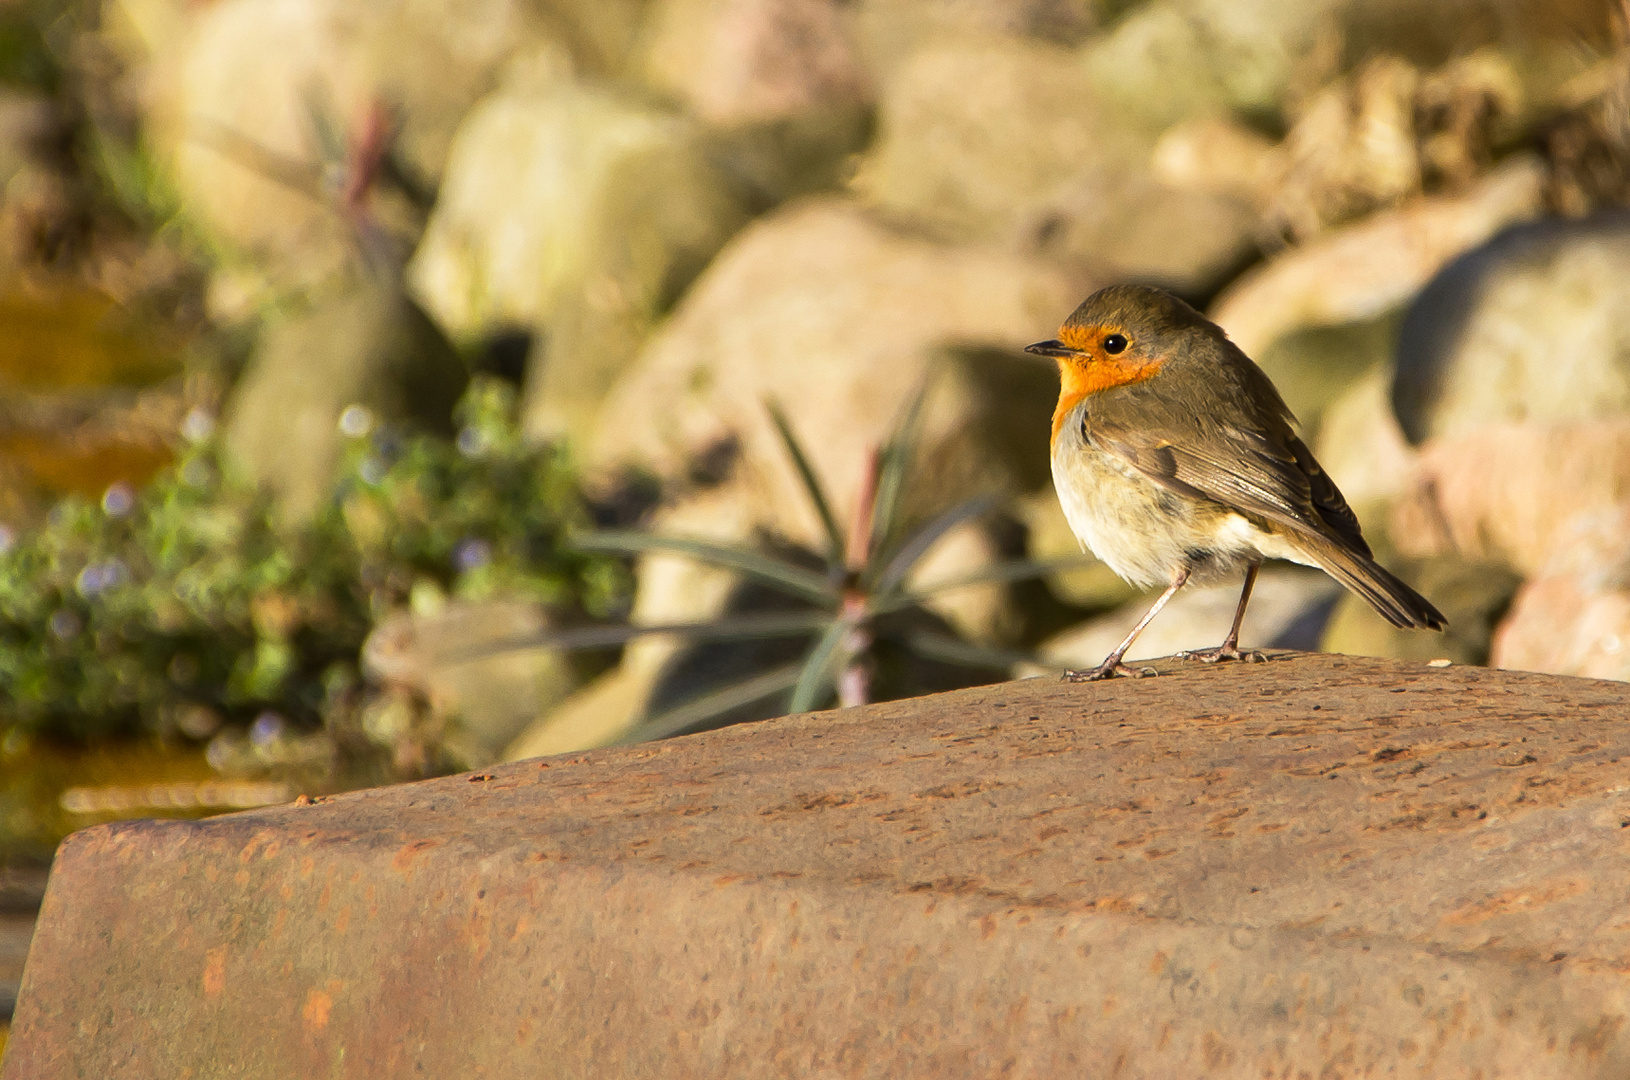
1253	464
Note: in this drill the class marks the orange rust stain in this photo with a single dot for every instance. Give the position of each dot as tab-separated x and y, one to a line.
1524	898
215	970
987	927
342	921
241	877
279	921
307	865
522	925
326	896
1158	962
523	1033
403	862
319	1004
272	849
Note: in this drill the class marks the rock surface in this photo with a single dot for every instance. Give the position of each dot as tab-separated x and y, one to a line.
1009	140
578	213
240	126
1313	865
1534	325
735	61
464	661
840	318
1513	492
367	345
1362	271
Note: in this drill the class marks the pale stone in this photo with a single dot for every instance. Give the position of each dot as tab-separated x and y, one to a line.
366	344
743	61
477	664
1364	270
840	319
1513	492
578	213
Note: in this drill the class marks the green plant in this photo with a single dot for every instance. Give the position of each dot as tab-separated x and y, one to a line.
850	603
183	607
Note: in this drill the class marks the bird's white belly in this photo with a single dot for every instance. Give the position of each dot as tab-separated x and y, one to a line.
1145	532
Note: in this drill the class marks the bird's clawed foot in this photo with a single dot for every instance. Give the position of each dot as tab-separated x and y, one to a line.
1108	670
1223	652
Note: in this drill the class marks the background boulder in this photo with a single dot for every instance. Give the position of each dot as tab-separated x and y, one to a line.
579	214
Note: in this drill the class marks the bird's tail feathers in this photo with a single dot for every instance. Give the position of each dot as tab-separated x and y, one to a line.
1396	602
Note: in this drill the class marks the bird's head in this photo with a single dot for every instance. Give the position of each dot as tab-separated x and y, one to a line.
1118	336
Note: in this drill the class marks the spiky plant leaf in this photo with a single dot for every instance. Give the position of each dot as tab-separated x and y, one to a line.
888	502
952	650
917	545
812	485
785	576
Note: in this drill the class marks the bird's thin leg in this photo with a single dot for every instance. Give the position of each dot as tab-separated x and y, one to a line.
1229	649
1112	665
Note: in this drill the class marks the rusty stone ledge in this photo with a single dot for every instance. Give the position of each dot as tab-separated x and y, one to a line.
1316	867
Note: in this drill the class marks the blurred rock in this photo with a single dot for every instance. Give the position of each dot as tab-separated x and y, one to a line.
1174	59
580	214
1009	140
251	135
1287	610
780	83
1390	131
1362	271
1473	595
738	61
891	31
974	134
469	662
1139	229
1558	626
368	345
597	715
1573	618
1362	448
1214	153
1314	366
1512	493
841	319
1534	325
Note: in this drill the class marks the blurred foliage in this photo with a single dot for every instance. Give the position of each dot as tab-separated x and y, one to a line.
26	58
183	607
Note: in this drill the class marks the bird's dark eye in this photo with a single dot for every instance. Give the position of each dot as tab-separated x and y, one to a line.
1115	343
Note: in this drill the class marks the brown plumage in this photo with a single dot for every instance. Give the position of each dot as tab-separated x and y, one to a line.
1176	460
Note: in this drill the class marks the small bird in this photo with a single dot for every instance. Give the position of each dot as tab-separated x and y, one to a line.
1176	460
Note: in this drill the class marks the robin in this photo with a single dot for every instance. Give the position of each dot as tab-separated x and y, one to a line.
1175	460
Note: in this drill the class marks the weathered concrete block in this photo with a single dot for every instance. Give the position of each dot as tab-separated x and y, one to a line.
1320	866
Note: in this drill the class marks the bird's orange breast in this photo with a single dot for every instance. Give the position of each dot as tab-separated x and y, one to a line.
1091	375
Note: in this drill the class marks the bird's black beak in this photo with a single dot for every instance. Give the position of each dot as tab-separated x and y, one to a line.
1051	348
